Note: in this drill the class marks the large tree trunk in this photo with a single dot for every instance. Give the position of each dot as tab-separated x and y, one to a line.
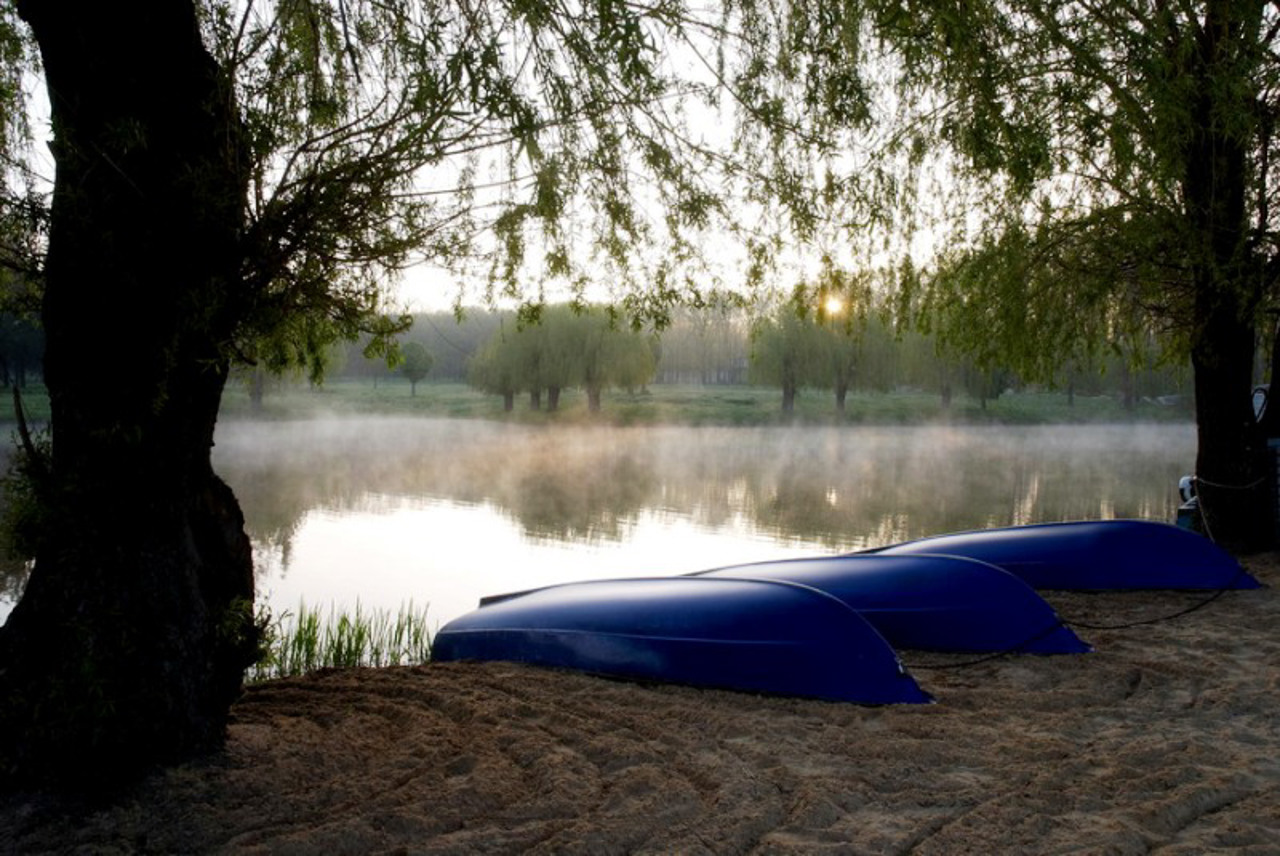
1230	460
129	643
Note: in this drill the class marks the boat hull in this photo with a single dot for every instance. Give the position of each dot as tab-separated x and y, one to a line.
1094	555
752	635
937	603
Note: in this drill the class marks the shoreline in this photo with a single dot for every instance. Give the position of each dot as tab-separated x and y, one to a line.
1165	738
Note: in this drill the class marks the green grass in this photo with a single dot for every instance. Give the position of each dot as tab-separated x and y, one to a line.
305	641
691	405
677	404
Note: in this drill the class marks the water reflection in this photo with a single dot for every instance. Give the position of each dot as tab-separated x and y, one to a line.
388	510
839	487
391	509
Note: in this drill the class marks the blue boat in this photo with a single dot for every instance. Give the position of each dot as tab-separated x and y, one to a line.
754	635
1093	555
934	603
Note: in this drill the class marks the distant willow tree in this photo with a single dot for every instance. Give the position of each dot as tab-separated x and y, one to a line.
554	349
610	356
568	347
841	304
516	359
417	362
496	370
787	352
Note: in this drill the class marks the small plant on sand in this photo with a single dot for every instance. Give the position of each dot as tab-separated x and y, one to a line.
297	643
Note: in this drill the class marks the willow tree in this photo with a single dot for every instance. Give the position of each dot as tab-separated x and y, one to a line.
609	355
1112	165
787	352
493	370
236	181
1095	172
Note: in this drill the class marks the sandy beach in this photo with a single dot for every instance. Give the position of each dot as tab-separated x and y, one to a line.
1164	740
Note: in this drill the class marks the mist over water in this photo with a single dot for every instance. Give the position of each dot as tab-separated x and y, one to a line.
384	511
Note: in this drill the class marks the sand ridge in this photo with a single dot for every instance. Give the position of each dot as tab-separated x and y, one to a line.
1166	739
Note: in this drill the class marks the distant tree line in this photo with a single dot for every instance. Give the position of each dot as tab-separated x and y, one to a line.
791	351
569	348
786	350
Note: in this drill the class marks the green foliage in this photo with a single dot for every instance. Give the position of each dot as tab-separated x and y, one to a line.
386	133
786	352
417	362
23	202
496	369
552	145
243	629
1096	149
819	339
568	347
305	642
531	142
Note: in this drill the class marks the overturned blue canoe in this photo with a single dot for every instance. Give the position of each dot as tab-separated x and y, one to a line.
755	635
1094	555
934	603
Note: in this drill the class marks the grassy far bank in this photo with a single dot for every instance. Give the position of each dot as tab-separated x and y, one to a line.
691	405
680	404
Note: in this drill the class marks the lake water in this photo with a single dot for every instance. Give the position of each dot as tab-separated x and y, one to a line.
386	511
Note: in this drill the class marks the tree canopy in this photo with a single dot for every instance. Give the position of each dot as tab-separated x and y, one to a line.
1100	159
239	182
1106	171
580	348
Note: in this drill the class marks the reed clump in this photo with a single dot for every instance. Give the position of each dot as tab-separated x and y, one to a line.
307	640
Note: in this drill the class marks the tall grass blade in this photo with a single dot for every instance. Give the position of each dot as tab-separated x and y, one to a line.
302	642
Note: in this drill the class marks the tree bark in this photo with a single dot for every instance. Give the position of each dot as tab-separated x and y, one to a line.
129	644
1128	389
1231	461
1230	457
